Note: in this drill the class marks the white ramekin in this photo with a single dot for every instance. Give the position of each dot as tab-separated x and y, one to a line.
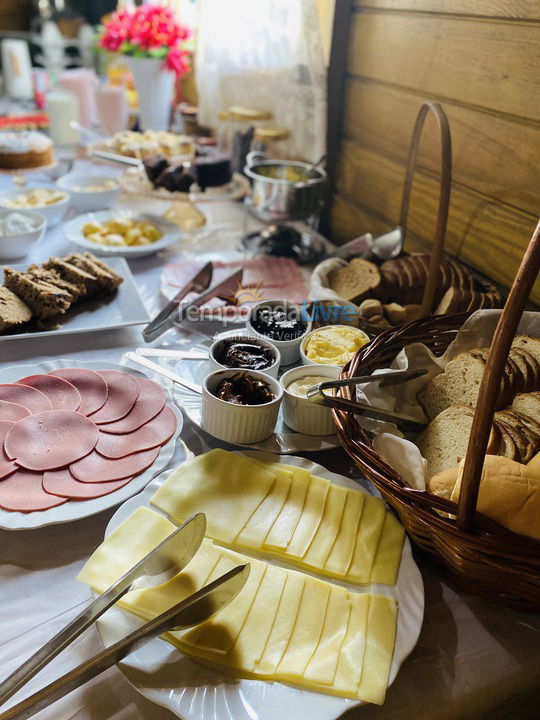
53	212
94	199
13	247
306	338
219	342
289	349
301	414
238	424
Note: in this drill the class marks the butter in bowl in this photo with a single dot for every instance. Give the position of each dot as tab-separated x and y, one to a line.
299	413
240	406
332	345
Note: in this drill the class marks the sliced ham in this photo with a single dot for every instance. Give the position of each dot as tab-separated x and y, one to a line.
63	484
11	412
51	439
94	468
30	398
154	433
61	393
22	491
123	391
7	466
91	387
150	402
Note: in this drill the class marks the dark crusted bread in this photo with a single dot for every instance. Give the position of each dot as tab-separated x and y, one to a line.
45	300
36	272
355	281
13	311
107	279
75	275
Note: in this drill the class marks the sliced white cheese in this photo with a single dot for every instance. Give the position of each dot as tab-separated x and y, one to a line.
258	526
367	540
351	656
388	557
285	524
310	518
340	556
322	667
227	487
381	636
124	548
307	630
327	532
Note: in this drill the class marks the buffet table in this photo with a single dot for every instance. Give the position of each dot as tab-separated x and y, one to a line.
473	659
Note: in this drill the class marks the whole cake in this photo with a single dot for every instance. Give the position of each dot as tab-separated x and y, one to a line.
24	150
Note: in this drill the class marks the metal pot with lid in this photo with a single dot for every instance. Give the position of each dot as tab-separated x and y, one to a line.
284	189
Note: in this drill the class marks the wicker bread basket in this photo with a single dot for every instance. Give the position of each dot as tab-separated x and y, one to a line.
473	550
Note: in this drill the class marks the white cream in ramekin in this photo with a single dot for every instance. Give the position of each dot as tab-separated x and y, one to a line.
238	424
301	414
289	349
220	342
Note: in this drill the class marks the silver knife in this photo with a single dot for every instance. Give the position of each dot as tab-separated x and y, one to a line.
145	362
193	610
162	563
164	319
230	285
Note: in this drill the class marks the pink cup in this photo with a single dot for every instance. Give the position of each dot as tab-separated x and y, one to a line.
112	108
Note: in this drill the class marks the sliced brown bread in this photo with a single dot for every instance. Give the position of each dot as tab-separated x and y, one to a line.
528	405
36	272
75	275
107	279
531	344
355	281
532	437
506	447
44	299
444	442
13	310
533	376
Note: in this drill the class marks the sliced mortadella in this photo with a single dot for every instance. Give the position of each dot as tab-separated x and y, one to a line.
63	484
50	440
91	386
11	412
123	391
150	402
22	491
7	466
94	468
30	398
154	433
61	393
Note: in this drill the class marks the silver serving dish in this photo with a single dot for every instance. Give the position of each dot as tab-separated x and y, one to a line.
284	190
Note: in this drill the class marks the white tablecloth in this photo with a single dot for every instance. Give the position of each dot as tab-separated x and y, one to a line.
473	660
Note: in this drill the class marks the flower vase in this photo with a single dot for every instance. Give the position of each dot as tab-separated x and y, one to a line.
155	88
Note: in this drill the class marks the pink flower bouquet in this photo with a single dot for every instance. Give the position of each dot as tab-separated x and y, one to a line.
148	31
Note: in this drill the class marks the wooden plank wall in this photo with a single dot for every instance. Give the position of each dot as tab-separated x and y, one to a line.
481	60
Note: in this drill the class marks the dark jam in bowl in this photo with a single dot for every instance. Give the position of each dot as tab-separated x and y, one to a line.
244	354
280	322
244	389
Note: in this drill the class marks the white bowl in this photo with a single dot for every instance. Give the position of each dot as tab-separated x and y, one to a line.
87	200
53	213
73	231
13	247
238	424
301	414
220	342
289	349
306	339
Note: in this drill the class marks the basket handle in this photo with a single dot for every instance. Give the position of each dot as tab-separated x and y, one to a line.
487	395
444	194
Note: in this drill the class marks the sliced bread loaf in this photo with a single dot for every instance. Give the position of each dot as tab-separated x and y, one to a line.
13	310
355	281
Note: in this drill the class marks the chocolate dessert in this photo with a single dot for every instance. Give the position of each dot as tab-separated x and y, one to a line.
244	389
212	170
154	166
247	355
278	323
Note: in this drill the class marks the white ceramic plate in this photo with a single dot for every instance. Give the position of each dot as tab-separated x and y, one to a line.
122	309
170	233
81	508
283	441
134	181
162	674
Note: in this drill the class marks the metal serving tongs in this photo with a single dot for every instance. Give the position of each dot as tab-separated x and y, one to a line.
193	610
408	424
164	562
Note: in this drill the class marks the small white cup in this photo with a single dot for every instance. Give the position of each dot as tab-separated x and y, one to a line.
86	201
289	349
238	424
217	347
305	340
301	414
